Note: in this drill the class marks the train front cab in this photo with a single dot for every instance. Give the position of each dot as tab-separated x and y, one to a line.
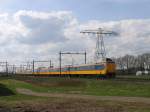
111	68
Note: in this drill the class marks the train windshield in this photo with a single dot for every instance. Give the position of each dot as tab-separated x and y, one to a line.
108	59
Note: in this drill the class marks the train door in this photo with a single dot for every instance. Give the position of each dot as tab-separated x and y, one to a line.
68	71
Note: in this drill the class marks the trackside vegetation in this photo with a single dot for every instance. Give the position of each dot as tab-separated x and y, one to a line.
10	100
80	86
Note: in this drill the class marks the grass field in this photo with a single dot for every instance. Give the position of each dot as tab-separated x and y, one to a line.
11	100
87	86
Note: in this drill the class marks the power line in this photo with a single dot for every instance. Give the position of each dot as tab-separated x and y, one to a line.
100	52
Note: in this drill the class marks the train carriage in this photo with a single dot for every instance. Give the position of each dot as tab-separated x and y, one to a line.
106	68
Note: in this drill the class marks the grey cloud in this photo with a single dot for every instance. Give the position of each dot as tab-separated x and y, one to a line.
40	31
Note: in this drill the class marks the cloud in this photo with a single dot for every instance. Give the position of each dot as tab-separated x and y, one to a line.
41	27
26	35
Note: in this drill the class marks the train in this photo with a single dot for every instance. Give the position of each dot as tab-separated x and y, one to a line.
103	69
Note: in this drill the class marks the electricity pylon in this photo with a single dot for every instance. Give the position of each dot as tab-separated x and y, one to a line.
100	52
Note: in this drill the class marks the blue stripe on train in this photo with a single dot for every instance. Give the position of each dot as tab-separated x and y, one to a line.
91	67
99	67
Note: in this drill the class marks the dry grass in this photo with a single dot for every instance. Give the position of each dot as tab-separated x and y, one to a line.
54	82
74	105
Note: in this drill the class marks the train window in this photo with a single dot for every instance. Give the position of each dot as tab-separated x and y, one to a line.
75	68
91	67
108	59
70	68
79	68
99	67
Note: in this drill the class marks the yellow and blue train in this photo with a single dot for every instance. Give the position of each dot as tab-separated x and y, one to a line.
106	68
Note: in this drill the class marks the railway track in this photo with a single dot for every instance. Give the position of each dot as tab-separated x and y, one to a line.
141	79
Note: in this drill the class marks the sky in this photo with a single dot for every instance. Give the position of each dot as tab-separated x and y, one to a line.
39	29
85	9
